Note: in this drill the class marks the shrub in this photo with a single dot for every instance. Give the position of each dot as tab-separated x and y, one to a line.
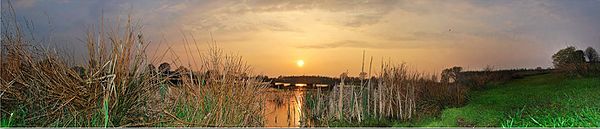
569	60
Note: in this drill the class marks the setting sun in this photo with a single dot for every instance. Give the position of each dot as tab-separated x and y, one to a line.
230	63
300	63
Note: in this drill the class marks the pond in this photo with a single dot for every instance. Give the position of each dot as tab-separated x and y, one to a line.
284	107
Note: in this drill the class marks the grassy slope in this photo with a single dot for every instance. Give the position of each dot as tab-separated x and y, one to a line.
545	100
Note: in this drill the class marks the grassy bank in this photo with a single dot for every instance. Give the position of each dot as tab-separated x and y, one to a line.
549	100
538	101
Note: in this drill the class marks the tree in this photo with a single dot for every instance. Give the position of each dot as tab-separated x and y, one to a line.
591	55
450	74
164	68
568	57
579	56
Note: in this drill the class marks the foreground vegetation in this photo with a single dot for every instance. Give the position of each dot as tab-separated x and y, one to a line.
118	86
393	94
550	100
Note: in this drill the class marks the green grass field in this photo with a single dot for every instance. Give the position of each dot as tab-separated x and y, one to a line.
538	101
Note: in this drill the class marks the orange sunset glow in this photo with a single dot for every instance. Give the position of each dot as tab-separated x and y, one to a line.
300	63
427	35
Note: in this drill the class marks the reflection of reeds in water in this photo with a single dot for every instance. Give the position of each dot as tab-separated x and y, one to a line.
278	101
279	98
284	110
114	87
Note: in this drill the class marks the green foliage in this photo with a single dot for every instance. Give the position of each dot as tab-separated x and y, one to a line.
105	110
592	55
368	122
540	101
6	122
566	57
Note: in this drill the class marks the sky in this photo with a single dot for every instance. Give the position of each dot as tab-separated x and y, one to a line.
331	35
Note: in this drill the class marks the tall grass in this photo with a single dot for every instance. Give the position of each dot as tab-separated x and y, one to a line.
115	86
227	96
394	94
52	93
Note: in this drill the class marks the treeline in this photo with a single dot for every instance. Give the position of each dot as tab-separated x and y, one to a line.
316	79
574	62
479	79
568	61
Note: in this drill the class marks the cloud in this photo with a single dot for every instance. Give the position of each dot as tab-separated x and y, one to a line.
467	26
349	13
337	44
24	3
365	45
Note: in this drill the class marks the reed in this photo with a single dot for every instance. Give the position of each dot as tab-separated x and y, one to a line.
116	86
227	96
395	94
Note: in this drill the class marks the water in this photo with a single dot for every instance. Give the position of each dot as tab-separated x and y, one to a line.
284	108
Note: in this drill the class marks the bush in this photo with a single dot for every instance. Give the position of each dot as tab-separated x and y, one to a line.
570	61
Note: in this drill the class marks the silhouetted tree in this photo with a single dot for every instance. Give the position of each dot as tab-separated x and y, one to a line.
344	75
488	68
538	68
262	77
579	56
164	68
570	60
567	57
176	76
592	55
451	74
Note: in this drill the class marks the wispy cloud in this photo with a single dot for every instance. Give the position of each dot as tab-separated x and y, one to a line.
465	28
337	44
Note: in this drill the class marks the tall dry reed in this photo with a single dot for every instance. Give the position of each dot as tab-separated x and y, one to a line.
221	93
110	89
116	86
395	93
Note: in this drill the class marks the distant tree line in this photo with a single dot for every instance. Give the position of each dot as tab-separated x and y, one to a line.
576	62
570	61
478	79
318	79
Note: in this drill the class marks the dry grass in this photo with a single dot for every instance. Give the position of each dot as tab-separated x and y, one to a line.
110	90
395	94
225	96
115	87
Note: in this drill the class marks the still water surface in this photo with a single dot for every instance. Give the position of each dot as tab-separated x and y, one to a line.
283	107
